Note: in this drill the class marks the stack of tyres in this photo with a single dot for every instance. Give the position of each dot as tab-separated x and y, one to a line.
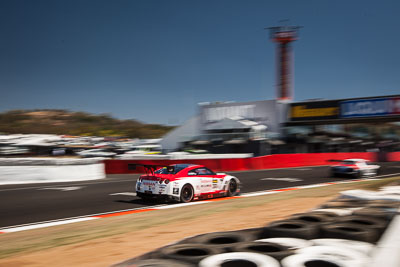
239	259
224	240
291	228
340	233
362	247
154	263
190	253
292	243
326	256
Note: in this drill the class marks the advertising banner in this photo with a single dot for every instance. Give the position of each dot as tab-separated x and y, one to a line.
370	107
314	110
266	112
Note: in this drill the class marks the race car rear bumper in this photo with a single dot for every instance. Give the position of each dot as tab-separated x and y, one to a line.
156	196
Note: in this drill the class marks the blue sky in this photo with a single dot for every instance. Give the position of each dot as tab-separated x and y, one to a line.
154	60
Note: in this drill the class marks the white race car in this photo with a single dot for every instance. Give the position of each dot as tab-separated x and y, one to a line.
354	167
184	183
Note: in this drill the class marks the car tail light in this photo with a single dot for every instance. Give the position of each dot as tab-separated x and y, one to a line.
160	181
166	181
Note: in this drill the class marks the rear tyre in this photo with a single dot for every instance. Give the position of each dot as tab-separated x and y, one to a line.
232	188
187	193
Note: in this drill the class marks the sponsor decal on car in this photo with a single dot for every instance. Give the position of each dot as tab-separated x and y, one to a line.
215	180
175	191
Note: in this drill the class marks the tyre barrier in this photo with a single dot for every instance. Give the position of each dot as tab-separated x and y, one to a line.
342	204
224	240
352	200
239	259
384	201
290	228
376	213
351	256
391	207
349	231
359	246
156	263
325	256
273	250
293	243
337	212
191	253
314	217
371	195
377	224
307	260
324	237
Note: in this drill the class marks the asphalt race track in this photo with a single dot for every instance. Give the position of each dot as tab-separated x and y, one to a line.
32	203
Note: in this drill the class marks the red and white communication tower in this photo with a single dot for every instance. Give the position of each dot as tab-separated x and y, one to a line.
283	36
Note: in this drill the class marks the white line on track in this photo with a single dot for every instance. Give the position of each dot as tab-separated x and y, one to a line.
43	225
183	205
131	194
259	193
313	185
68	188
76	184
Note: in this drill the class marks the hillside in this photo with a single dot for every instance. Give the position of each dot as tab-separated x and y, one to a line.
75	123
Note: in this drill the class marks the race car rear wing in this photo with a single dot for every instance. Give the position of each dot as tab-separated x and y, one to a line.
150	168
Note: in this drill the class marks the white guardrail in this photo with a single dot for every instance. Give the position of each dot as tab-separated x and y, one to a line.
44	170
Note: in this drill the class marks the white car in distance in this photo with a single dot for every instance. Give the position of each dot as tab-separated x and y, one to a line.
354	167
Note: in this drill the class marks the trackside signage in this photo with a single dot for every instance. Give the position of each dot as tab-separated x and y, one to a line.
344	109
267	112
370	107
218	113
317	110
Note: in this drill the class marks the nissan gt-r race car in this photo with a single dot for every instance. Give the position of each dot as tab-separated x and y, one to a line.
185	183
354	167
